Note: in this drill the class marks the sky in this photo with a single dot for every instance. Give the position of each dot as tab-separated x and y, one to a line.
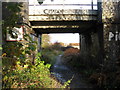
65	38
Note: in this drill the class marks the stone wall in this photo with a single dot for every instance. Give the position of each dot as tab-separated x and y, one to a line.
28	30
22	21
111	27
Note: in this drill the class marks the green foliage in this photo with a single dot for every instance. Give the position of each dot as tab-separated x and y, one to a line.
45	40
19	73
11	54
30	45
17	51
11	15
37	76
66	84
50	52
14	60
1	22
10	48
49	55
56	46
0	47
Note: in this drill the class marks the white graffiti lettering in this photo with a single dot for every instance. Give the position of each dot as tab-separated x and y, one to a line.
115	36
52	11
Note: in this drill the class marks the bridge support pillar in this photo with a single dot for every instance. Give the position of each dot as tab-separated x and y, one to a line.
100	43
92	46
85	48
39	42
111	21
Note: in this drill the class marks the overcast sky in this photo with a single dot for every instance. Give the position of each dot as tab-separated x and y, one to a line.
65	38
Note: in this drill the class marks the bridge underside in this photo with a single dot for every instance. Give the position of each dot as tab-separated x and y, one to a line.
45	27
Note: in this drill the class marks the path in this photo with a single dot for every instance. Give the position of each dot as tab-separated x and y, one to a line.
63	73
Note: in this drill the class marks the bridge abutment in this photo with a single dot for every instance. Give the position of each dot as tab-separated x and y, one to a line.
92	46
111	26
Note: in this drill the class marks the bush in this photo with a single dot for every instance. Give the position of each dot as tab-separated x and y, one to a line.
24	77
37	76
71	51
49	54
71	57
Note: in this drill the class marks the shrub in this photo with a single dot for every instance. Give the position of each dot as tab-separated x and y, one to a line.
71	51
49	55
37	76
71	57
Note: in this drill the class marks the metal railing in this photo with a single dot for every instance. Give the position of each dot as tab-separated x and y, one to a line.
90	6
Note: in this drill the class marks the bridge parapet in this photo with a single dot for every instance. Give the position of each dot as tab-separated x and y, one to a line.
55	15
63	18
43	13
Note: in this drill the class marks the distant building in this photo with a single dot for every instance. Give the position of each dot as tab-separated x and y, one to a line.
64	44
75	45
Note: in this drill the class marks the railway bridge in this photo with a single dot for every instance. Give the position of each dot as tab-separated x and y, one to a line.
96	24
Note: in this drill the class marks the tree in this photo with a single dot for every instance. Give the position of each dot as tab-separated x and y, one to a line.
57	45
45	40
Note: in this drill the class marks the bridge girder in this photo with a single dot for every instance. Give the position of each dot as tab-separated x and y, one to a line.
80	26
